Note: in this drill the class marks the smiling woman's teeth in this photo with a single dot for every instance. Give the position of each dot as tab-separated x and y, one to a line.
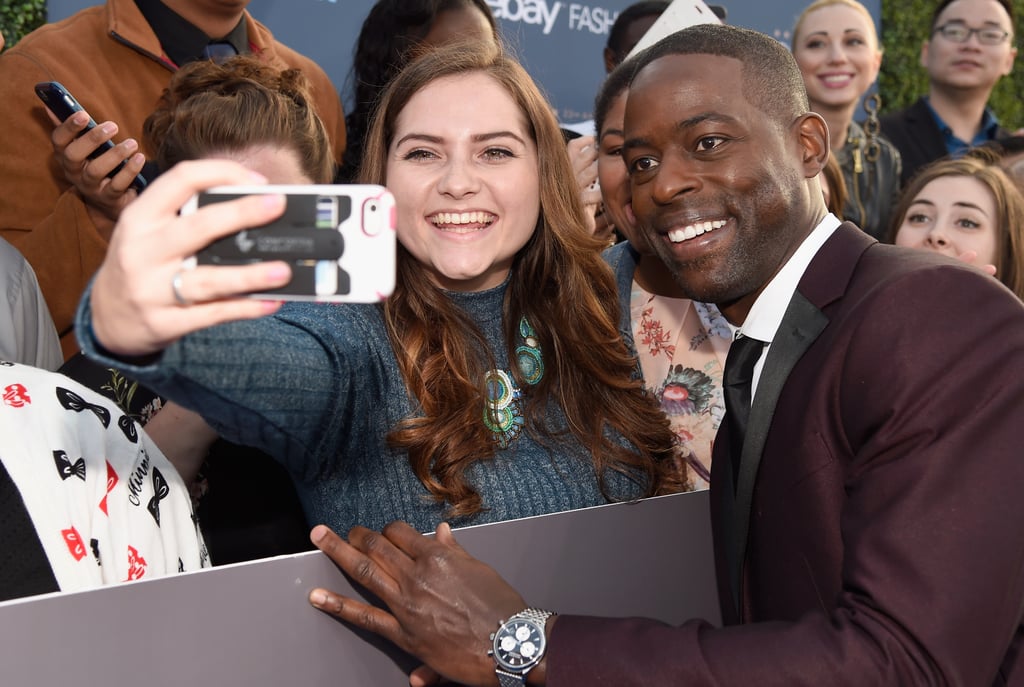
462	218
694	230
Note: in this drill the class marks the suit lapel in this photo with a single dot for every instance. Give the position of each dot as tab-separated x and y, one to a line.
801	325
824	281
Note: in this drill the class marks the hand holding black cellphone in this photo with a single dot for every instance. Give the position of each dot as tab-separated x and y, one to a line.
61	103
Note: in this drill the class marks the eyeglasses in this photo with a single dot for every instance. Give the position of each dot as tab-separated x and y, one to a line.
958	33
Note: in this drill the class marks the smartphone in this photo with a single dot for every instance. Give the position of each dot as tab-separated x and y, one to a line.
61	103
338	238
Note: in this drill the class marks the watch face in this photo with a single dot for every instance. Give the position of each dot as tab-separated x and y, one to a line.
519	644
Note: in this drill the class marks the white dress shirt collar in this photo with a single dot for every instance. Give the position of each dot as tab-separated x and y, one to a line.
765	316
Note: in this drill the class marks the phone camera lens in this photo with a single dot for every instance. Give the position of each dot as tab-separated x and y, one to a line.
371	218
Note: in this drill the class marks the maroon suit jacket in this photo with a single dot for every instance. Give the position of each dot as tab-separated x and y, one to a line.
876	535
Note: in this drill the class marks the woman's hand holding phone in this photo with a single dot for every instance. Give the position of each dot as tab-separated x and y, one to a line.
143	299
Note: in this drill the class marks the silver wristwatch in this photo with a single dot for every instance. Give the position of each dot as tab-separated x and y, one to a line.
519	645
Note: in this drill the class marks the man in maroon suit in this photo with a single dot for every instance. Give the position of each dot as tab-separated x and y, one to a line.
871	531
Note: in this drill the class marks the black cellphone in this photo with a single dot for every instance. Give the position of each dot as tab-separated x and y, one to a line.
61	103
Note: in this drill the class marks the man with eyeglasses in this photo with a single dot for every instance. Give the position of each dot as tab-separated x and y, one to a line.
969	50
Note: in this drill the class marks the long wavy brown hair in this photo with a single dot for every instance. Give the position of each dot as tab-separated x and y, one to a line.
563	287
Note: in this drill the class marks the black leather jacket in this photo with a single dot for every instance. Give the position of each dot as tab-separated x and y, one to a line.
872	187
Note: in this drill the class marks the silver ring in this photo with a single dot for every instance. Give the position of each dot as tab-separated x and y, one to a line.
176	289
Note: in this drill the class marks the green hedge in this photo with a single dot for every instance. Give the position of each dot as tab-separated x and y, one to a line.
905	24
18	18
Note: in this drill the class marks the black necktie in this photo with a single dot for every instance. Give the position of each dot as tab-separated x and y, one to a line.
744	353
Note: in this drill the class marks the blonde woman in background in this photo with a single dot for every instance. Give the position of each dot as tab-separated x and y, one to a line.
836	47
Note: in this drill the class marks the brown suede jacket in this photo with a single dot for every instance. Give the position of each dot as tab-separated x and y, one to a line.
111	61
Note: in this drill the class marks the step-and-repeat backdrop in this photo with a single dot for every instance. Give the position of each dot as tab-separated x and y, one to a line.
559	42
